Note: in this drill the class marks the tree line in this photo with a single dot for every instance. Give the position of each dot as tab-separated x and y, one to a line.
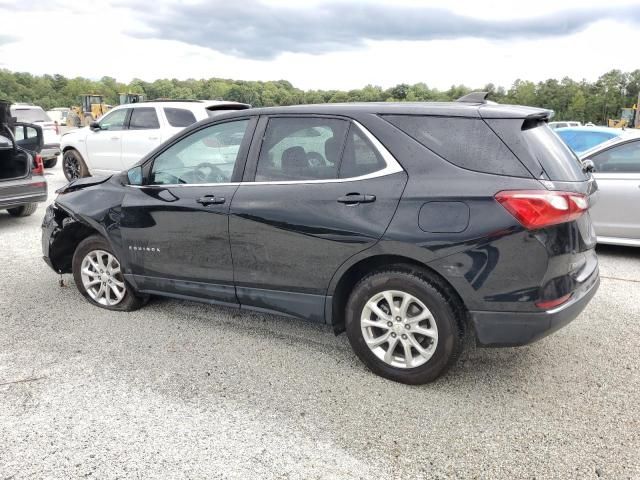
571	100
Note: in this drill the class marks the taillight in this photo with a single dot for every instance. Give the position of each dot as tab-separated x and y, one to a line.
549	304
38	166
541	208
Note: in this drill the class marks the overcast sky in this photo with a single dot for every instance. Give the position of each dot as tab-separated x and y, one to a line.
322	44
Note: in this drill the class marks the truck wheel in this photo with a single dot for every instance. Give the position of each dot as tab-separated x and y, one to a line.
23	210
73	166
403	326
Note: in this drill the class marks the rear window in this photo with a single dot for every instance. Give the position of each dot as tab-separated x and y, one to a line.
466	142
28	115
179	117
557	160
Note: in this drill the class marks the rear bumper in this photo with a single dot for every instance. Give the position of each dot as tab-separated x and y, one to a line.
22	192
50	150
511	329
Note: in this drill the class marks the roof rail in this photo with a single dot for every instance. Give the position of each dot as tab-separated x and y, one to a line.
474	97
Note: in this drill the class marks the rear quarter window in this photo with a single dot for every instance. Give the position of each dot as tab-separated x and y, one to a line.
466	142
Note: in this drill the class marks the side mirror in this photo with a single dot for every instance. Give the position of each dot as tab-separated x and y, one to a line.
95	126
135	175
588	166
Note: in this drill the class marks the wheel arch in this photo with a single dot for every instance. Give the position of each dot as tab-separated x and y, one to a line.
345	280
67	238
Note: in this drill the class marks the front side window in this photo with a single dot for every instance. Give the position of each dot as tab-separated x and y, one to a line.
621	159
114	120
206	156
301	149
144	118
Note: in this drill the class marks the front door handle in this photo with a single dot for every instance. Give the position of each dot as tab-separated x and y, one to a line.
210	200
356	198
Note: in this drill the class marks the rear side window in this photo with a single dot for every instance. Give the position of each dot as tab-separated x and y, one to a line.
359	157
301	149
621	159
466	142
144	118
179	117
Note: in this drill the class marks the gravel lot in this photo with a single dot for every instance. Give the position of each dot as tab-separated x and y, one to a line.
184	390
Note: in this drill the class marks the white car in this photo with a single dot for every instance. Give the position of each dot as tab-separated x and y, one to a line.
27	113
555	125
127	133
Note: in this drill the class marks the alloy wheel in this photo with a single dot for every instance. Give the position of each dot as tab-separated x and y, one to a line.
71	167
399	329
102	278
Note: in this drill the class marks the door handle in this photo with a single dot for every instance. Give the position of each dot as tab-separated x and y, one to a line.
153	138
210	200
356	198
115	138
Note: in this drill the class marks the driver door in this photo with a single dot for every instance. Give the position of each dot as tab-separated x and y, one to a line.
175	226
104	145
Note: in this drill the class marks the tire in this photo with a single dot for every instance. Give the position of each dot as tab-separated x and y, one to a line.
73	165
443	323
51	163
97	245
23	210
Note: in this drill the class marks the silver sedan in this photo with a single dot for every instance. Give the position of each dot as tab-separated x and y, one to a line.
616	214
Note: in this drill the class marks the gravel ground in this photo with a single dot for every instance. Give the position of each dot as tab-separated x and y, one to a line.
185	390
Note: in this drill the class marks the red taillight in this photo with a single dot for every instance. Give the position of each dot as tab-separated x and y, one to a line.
38	166
549	304
541	208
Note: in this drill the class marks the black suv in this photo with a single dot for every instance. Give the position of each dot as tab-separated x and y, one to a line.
407	225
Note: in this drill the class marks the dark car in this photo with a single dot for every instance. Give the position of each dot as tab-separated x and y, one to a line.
22	181
407	225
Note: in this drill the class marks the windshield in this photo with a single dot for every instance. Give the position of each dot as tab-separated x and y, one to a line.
29	115
580	140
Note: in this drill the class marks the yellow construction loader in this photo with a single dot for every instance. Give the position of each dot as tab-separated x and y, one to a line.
130	98
91	107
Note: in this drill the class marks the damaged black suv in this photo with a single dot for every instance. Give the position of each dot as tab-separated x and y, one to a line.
407	225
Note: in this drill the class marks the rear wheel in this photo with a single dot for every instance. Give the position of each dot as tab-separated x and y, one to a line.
23	210
403	327
73	166
99	278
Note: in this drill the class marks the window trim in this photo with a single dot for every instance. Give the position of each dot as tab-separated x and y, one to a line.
611	147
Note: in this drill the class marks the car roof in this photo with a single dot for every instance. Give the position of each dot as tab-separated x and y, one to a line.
626	135
189	104
453	109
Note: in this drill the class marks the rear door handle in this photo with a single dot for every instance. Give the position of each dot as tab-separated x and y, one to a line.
210	200
356	198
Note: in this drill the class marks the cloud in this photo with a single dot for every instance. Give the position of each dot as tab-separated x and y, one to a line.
5	39
251	29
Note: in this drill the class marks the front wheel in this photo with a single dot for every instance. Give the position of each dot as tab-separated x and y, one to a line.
98	276
73	166
403	327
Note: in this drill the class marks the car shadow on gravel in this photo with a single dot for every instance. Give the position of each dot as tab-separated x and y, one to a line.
619	251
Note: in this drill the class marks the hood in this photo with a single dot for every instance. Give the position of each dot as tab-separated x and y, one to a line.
81	183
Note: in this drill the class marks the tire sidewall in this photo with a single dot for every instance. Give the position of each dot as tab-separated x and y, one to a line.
82	170
448	331
129	302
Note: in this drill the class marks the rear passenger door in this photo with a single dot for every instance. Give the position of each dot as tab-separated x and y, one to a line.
143	135
617	171
316	191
